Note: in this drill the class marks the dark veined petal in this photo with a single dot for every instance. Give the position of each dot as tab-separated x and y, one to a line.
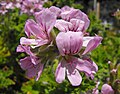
69	42
46	20
78	25
69	13
32	28
63	25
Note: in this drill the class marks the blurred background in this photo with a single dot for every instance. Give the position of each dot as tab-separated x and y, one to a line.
105	21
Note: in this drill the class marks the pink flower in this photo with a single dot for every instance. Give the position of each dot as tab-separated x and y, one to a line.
7	4
68	67
55	10
76	25
38	35
107	89
31	69
46	20
40	31
73	46
69	13
28	51
31	64
69	44
31	6
3	10
27	7
17	3
10	5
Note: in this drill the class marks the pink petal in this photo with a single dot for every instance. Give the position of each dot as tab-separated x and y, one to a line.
60	72
31	69
18	5
63	25
33	72
9	5
30	73
33	42
32	28
72	73
26	49
41	42
92	44
20	49
26	41
96	92
85	19
34	59
39	71
75	13
75	25
69	42
107	89
74	77
46	20
3	3
86	40
78	25
26	63
66	8
87	66
55	10
65	15
84	66
63	43
95	67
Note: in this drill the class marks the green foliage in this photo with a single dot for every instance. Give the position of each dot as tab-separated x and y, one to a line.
11	26
109	50
4	80
95	24
61	3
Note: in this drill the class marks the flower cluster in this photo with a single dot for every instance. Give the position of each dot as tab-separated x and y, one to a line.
5	5
25	6
71	45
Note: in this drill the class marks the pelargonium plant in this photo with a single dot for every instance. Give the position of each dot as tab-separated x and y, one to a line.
25	6
71	45
31	6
